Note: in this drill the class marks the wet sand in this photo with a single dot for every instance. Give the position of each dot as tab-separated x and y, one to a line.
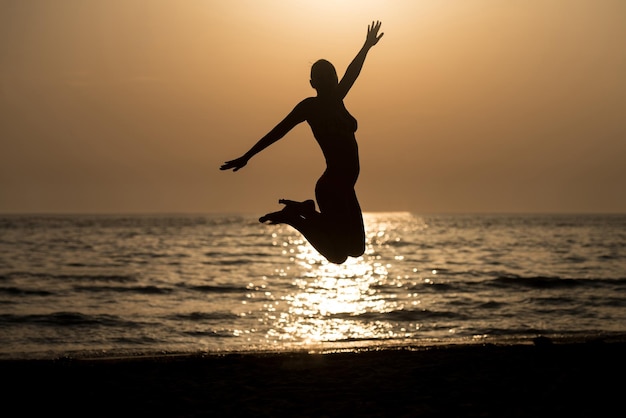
582	378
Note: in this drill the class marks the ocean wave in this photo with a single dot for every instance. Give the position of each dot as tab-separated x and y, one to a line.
203	316
551	282
70	277
136	340
225	259
144	290
116	221
234	262
552	301
402	315
210	333
401	244
437	286
18	291
215	289
234	253
612	302
491	305
64	319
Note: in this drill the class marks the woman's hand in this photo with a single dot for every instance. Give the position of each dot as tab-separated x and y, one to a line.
235	164
372	34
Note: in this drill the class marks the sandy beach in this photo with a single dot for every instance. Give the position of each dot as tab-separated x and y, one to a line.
547	378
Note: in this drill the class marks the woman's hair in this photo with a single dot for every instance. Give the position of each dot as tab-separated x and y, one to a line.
323	75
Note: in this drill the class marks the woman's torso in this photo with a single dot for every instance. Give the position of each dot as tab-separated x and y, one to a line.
334	127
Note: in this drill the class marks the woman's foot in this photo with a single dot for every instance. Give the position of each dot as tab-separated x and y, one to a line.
275	218
292	212
308	206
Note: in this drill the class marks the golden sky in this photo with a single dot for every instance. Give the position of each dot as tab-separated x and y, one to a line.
464	106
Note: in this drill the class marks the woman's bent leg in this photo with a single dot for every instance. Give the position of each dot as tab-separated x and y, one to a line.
357	228
319	231
336	231
338	203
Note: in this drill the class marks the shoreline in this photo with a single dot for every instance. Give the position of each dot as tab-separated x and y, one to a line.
321	348
544	378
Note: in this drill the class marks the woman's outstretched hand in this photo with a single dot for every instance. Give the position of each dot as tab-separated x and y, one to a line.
372	33
235	164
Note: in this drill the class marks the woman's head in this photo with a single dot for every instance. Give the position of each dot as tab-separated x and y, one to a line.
323	75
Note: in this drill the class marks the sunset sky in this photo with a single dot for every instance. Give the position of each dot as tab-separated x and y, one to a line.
131	106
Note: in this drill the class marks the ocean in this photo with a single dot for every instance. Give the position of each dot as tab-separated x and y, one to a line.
108	285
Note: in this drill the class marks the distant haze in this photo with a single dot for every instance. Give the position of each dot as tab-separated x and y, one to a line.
464	106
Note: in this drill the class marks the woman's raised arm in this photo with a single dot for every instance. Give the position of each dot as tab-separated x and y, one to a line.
354	69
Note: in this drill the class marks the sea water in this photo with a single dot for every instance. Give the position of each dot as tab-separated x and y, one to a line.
118	285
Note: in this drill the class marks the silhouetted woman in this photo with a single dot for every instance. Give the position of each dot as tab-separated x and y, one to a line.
336	231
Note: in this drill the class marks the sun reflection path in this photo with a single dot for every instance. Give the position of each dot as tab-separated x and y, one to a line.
337	303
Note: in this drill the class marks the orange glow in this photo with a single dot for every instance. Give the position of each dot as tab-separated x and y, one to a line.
464	106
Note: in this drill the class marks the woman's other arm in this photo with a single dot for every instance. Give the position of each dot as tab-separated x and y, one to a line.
296	116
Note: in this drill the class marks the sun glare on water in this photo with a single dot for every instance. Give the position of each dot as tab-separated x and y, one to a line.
337	303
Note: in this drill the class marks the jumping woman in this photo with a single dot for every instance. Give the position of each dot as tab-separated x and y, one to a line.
336	231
